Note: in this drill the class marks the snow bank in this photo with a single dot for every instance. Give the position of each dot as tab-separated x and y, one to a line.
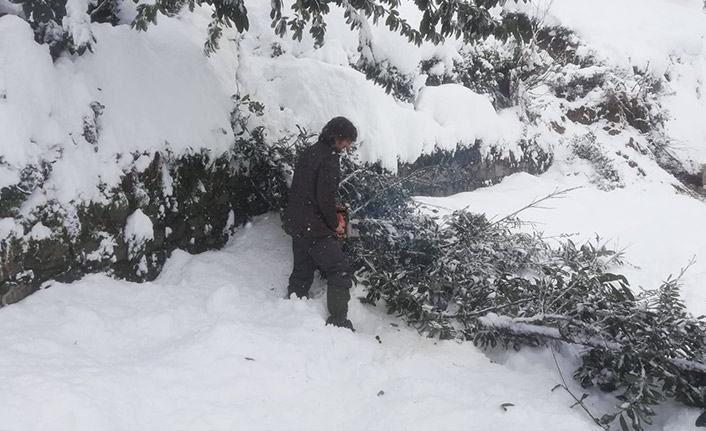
639	221
640	33
33	108
665	37
308	93
466	116
139	228
150	92
158	90
155	91
212	344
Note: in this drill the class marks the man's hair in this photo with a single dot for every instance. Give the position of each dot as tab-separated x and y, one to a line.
339	127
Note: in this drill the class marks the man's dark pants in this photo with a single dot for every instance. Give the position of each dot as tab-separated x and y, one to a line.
324	253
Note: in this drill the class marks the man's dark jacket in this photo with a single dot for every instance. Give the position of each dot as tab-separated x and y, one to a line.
311	209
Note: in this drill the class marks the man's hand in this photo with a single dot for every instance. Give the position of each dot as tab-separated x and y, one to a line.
340	230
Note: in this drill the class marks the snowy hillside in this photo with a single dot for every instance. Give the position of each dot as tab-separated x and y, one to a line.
212	344
117	161
159	93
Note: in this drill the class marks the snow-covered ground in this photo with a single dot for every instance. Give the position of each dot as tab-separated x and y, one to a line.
212	344
658	230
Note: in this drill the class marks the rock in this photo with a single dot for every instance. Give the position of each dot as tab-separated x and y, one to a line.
15	292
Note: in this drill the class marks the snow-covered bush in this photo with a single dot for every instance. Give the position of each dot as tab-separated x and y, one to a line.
588	148
64	25
31	178
441	19
266	168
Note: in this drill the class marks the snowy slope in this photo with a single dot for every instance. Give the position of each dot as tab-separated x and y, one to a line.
665	37
212	344
159	93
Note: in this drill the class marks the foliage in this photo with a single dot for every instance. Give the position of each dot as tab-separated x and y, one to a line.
478	280
265	168
32	177
394	82
56	22
440	18
60	25
588	148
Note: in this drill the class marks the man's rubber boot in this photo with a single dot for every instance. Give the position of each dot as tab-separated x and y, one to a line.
341	323
298	294
337	302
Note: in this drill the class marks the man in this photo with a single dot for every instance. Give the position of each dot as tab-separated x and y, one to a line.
313	223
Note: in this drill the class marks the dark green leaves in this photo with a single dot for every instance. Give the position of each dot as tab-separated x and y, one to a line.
226	13
42	11
440	19
701	420
146	14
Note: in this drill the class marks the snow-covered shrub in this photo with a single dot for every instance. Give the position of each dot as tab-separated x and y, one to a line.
31	178
63	25
188	199
444	172
493	68
264	169
49	255
499	67
138	231
389	77
588	148
105	11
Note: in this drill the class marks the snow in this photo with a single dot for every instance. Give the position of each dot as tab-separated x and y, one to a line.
138	230
9	226
662	36
158	93
468	115
39	232
213	344
642	33
641	222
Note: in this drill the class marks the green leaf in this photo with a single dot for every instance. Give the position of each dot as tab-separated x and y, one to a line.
242	23
701	420
623	424
630	378
606	419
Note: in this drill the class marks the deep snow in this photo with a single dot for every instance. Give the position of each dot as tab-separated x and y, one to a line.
212	344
